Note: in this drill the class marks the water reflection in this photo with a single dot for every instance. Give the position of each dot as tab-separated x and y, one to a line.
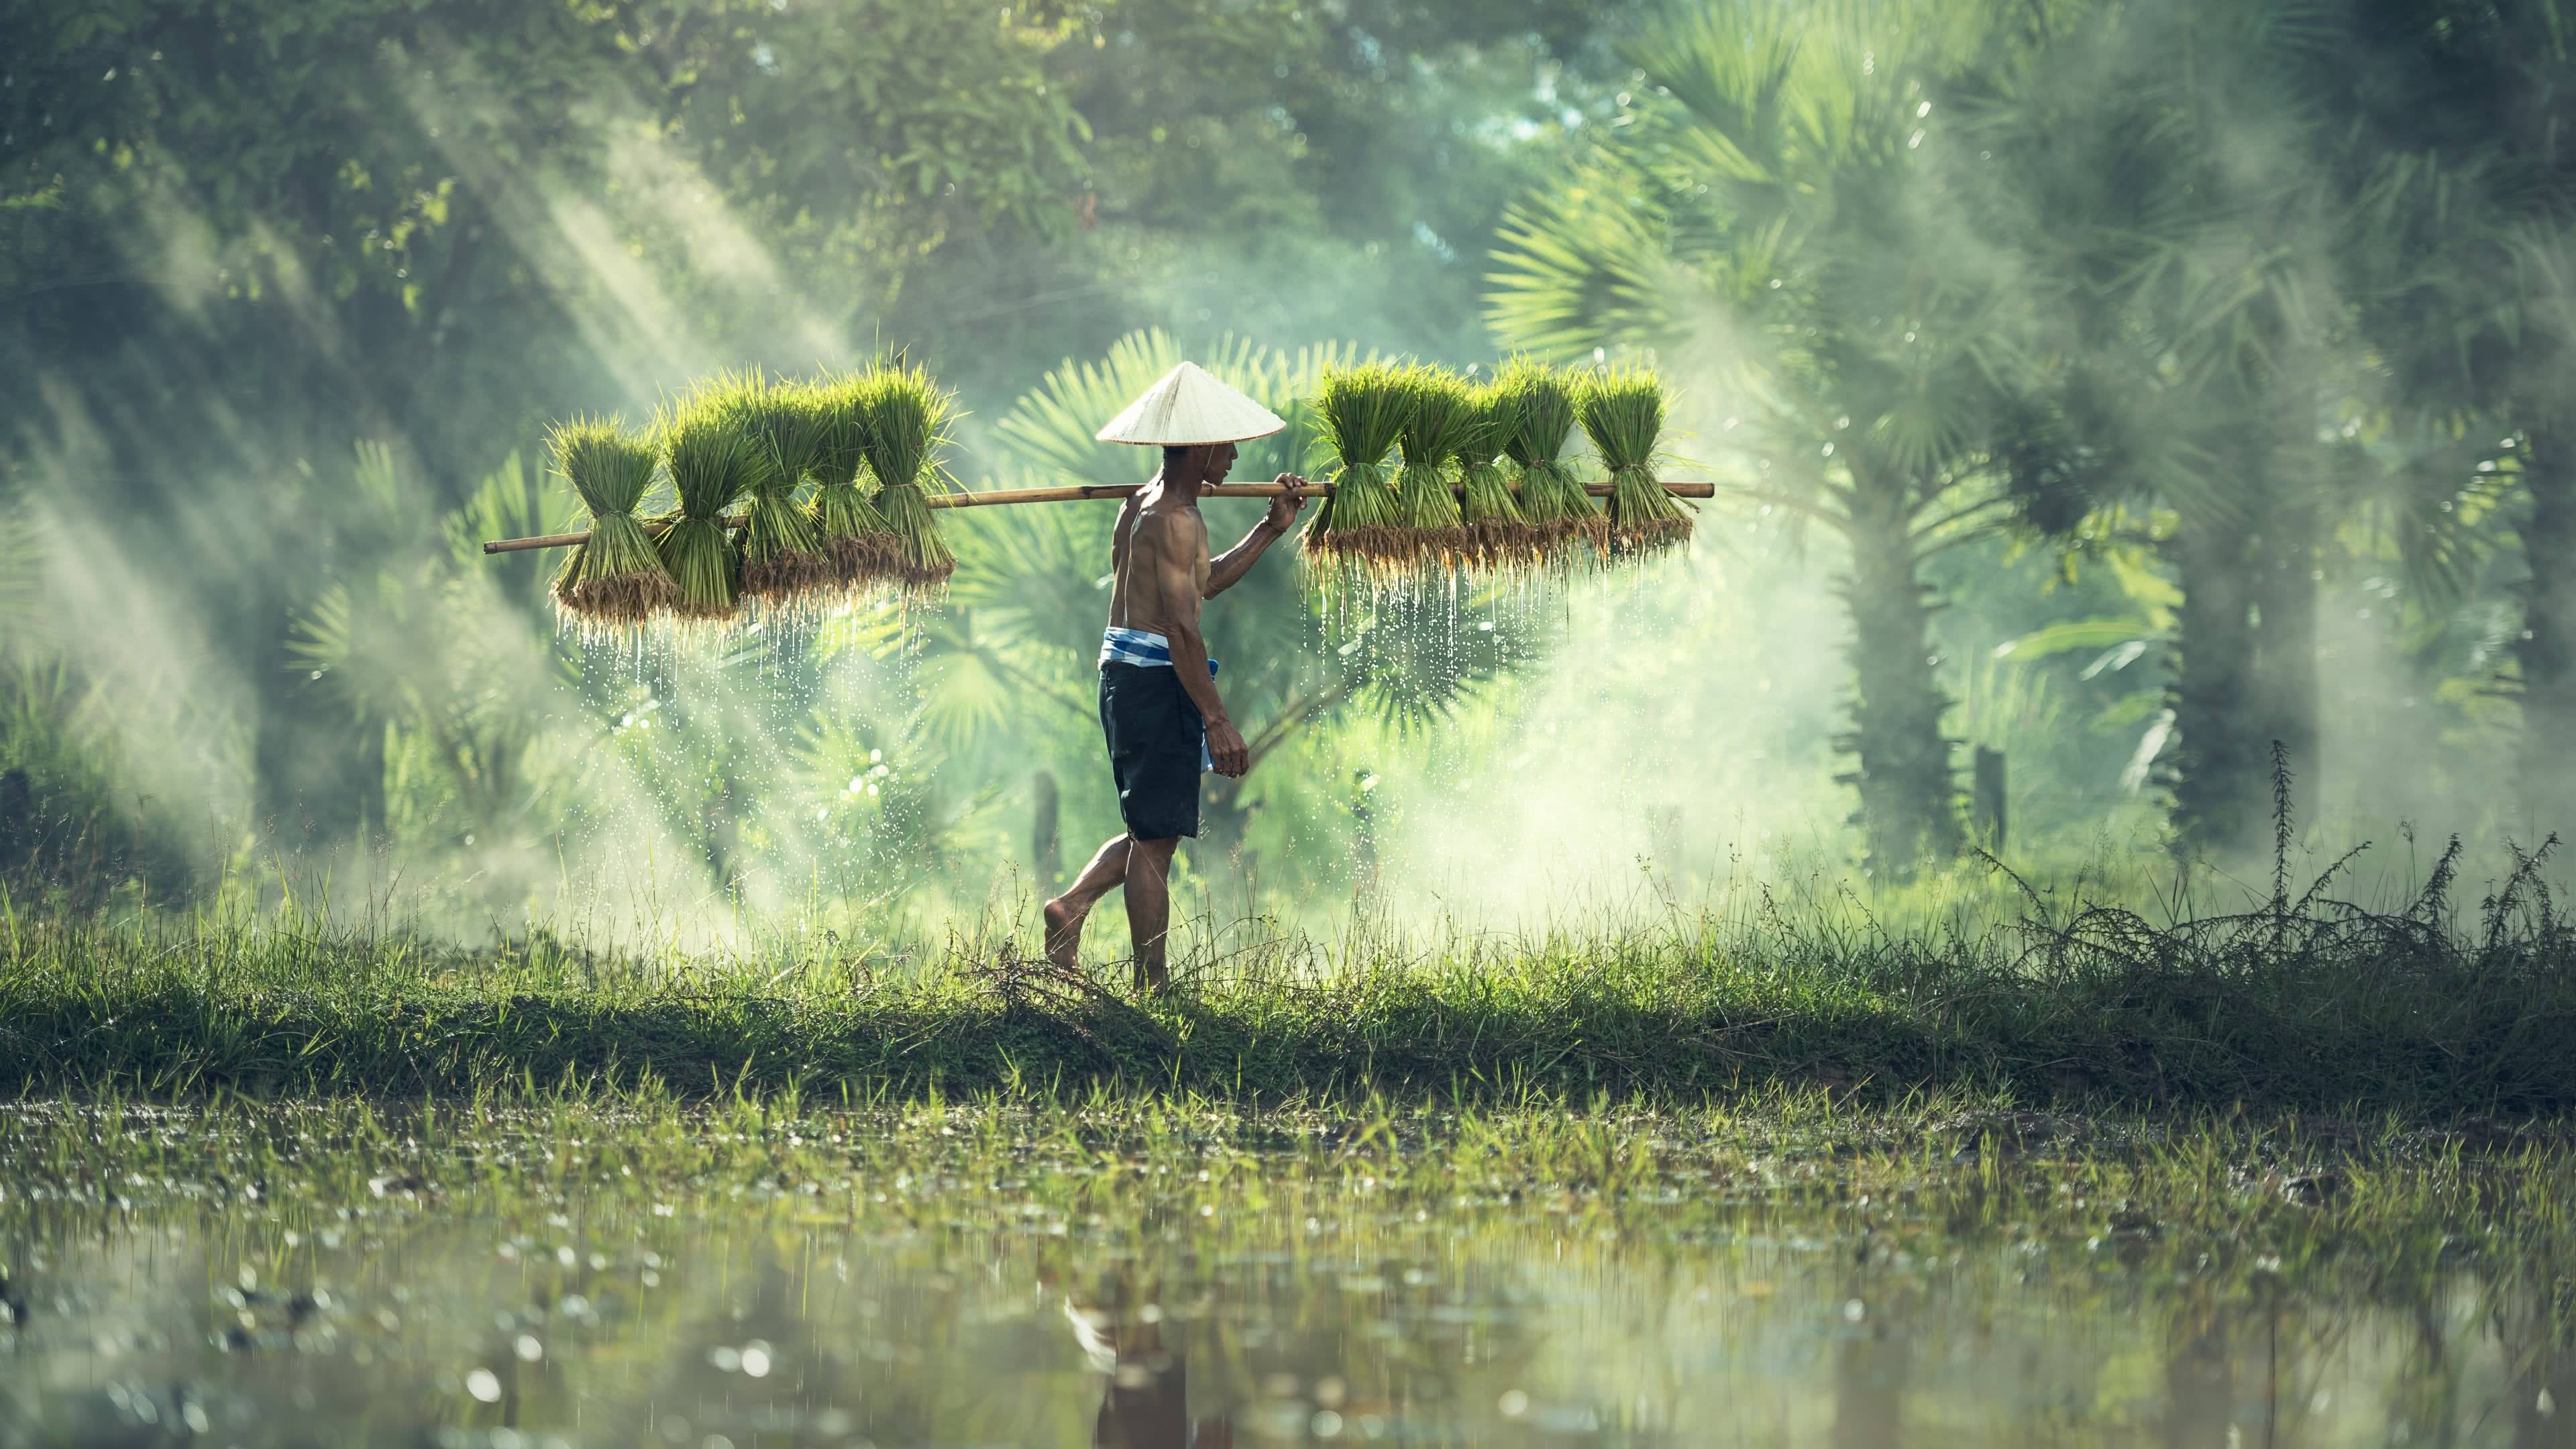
790	1313
1145	1396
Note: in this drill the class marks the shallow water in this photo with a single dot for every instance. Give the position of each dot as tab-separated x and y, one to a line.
924	1290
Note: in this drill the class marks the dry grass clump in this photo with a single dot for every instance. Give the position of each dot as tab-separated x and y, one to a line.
616	579
1623	414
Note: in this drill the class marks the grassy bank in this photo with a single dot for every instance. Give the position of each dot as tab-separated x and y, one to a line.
2301	1003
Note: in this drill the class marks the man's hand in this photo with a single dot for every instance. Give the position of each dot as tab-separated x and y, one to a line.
1283	509
1225	744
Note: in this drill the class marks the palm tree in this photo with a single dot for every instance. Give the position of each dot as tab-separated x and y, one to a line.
446	698
2164	180
2466	286
1770	209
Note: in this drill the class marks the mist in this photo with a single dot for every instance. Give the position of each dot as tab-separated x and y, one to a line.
269	402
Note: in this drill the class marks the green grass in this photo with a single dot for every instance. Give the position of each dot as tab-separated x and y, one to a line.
2296	1004
2373	1207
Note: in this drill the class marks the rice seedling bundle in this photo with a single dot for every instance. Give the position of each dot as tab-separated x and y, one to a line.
1563	522
782	555
1359	528
1623	414
1436	411
1497	536
905	423
711	468
616	577
858	545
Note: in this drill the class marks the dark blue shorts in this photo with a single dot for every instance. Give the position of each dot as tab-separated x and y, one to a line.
1156	737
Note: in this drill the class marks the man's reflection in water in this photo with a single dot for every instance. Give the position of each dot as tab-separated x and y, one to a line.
1146	1405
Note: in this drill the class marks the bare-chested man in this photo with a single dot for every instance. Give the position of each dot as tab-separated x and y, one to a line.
1158	695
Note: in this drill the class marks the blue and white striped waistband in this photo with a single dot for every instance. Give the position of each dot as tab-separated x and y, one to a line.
1142	646
1138	646
1134	646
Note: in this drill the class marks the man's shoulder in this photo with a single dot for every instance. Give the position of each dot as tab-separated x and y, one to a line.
1171	517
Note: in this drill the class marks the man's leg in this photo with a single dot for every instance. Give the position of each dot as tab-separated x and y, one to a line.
1064	915
1149	909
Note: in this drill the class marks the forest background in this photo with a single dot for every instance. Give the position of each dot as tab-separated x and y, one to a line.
2122	388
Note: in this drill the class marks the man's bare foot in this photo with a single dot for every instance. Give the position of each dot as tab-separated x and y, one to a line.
1063	933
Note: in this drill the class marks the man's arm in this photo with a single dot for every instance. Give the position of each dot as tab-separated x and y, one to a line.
1173	561
1119	534
1227	569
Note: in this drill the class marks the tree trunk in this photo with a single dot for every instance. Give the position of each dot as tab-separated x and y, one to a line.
2284	706
1987	811
1364	880
2220	758
1908	805
2547	649
1046	839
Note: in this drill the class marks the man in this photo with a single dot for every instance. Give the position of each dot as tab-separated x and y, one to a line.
1158	697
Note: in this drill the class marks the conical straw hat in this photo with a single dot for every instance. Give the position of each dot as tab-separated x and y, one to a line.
1190	407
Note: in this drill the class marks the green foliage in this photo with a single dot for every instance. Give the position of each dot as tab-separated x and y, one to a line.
444	225
2106	270
456	707
1786	168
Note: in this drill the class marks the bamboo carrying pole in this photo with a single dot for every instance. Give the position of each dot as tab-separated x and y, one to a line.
1075	494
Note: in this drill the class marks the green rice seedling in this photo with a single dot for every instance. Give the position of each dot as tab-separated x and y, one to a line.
782	555
1623	414
1497	535
711	467
616	578
859	545
1359	528
1564	523
907	418
1436	413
